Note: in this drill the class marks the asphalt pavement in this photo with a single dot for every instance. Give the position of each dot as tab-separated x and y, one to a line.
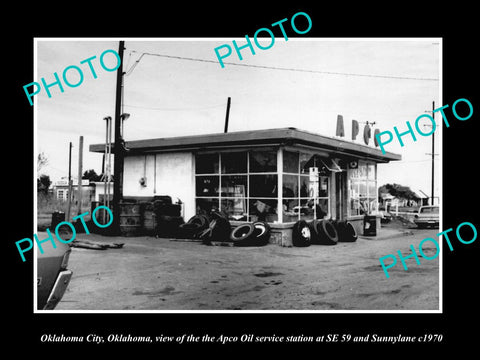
153	274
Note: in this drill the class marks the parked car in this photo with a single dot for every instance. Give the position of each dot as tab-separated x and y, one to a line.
427	216
53	276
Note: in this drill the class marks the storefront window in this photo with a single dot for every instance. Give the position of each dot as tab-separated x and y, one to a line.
206	164
323	187
263	186
263	161
234	163
207	186
236	185
235	208
290	162
290	186
205	206
363	189
244	185
305	187
263	210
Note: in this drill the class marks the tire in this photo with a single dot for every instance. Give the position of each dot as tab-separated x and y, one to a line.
301	234
241	235
219	230
261	233
327	234
189	230
314	233
200	219
346	231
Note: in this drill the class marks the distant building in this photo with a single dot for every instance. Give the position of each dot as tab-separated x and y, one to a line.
60	190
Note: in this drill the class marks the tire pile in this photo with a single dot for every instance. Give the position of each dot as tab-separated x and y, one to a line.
322	232
217	228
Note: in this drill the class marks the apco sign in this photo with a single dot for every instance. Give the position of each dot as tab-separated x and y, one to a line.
367	130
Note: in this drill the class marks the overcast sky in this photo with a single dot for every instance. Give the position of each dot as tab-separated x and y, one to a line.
174	97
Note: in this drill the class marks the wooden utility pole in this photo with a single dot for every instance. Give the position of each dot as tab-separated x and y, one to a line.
69	193
118	147
227	116
80	168
433	152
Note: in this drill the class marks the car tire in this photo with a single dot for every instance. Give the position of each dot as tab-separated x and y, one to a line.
220	229
314	233
242	234
200	219
327	234
301	234
346	232
189	230
261	233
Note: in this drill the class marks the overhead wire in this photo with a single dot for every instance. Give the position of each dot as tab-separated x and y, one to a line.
176	109
282	68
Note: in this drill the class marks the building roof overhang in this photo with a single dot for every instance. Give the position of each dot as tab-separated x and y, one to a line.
254	138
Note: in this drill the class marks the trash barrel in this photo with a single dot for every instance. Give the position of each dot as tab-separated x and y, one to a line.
57	218
148	218
370	225
130	219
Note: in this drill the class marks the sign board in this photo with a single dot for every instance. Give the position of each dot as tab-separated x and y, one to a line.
313	174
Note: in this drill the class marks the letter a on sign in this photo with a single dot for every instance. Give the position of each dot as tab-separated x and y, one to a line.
340	130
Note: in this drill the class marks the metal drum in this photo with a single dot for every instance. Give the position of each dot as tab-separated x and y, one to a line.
148	219
130	219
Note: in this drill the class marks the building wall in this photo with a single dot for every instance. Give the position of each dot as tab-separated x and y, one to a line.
164	174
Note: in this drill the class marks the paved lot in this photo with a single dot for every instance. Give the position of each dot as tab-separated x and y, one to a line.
161	274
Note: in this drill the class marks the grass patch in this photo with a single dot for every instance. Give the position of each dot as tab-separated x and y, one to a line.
47	205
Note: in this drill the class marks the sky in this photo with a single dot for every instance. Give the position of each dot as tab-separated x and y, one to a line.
165	96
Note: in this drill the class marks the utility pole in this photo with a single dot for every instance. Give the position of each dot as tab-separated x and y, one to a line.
69	194
432	191
80	168
227	115
119	148
433	152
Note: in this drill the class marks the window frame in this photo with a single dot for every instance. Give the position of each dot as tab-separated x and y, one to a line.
366	180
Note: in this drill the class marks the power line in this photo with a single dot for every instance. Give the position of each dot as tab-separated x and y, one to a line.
175	109
284	68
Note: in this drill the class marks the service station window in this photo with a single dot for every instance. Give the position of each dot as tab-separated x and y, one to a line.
298	189
363	188
245	185
241	184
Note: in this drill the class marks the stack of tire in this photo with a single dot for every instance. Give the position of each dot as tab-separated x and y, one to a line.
251	234
322	232
167	217
346	231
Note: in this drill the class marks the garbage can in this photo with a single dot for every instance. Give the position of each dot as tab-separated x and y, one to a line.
370	225
57	218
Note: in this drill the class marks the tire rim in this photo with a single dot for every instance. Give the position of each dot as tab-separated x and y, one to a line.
306	234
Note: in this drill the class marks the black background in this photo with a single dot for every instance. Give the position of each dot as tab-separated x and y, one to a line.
454	22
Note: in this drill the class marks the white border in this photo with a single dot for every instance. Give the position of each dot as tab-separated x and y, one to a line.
240	312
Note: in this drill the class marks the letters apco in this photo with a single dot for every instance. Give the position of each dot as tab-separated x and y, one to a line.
293	24
72	75
367	130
